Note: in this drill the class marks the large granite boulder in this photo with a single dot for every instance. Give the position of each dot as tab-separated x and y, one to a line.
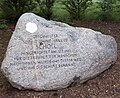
49	55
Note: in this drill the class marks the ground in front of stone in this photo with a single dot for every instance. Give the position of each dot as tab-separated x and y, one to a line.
106	85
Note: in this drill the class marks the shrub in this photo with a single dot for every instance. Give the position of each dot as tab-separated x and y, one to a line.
59	12
76	8
106	9
116	11
45	8
92	13
12	9
3	24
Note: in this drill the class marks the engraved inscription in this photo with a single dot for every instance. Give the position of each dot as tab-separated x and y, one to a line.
47	54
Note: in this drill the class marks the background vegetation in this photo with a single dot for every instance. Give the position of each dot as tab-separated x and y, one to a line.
61	10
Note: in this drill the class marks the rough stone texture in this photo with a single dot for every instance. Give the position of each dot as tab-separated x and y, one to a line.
55	55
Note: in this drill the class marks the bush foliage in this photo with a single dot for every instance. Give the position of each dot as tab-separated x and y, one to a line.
3	24
62	10
12	9
106	9
76	8
45	8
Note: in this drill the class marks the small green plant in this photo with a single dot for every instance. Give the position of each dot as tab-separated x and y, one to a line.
106	9
3	24
76	8
45	8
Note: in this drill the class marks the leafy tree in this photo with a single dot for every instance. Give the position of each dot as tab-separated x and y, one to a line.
106	9
45	8
12	9
76	8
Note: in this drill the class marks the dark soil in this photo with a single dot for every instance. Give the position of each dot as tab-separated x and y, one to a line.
106	85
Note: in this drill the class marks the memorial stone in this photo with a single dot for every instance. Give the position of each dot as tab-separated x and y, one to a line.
49	55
